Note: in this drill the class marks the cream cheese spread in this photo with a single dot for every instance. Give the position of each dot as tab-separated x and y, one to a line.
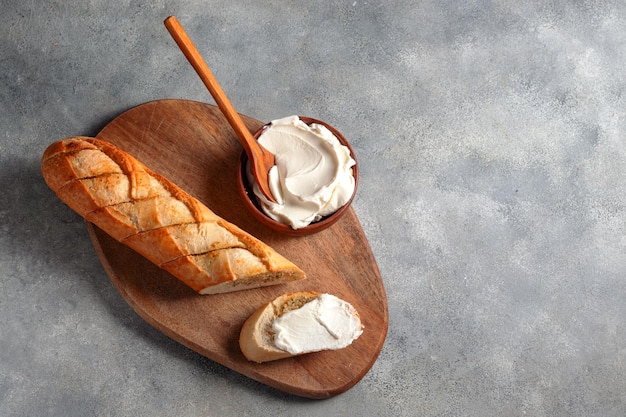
312	176
325	323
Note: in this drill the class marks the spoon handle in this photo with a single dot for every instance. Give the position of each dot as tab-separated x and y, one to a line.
261	159
207	77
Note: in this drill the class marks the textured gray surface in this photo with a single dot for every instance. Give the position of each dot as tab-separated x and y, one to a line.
491	137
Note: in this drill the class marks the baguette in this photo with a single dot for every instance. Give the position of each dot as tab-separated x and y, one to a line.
297	323
160	221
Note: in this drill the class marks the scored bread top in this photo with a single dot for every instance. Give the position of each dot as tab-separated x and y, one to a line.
159	220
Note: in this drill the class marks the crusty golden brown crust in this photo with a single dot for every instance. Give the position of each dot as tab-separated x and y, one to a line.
159	220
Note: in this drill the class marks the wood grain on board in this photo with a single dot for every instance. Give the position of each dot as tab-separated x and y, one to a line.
192	144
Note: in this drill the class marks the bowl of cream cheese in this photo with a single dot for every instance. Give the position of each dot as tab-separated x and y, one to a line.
313	181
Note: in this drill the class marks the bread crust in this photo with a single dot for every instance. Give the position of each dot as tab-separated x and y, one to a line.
159	220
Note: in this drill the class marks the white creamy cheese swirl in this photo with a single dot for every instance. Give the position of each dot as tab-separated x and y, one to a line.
325	323
312	176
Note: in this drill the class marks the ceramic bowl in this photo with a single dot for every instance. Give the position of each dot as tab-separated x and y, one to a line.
251	203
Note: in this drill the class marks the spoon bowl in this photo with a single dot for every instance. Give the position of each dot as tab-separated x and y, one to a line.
253	205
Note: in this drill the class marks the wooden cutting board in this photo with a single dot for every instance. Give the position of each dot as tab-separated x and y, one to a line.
192	144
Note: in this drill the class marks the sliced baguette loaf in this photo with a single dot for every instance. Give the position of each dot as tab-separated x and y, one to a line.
156	218
298	323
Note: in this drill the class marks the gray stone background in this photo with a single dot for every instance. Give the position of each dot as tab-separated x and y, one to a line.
491	137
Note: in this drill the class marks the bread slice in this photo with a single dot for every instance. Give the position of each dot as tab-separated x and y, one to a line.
156	218
291	325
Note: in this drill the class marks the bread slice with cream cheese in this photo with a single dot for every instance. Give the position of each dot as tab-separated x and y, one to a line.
298	323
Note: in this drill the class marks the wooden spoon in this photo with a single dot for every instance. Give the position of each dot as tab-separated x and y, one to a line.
261	159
